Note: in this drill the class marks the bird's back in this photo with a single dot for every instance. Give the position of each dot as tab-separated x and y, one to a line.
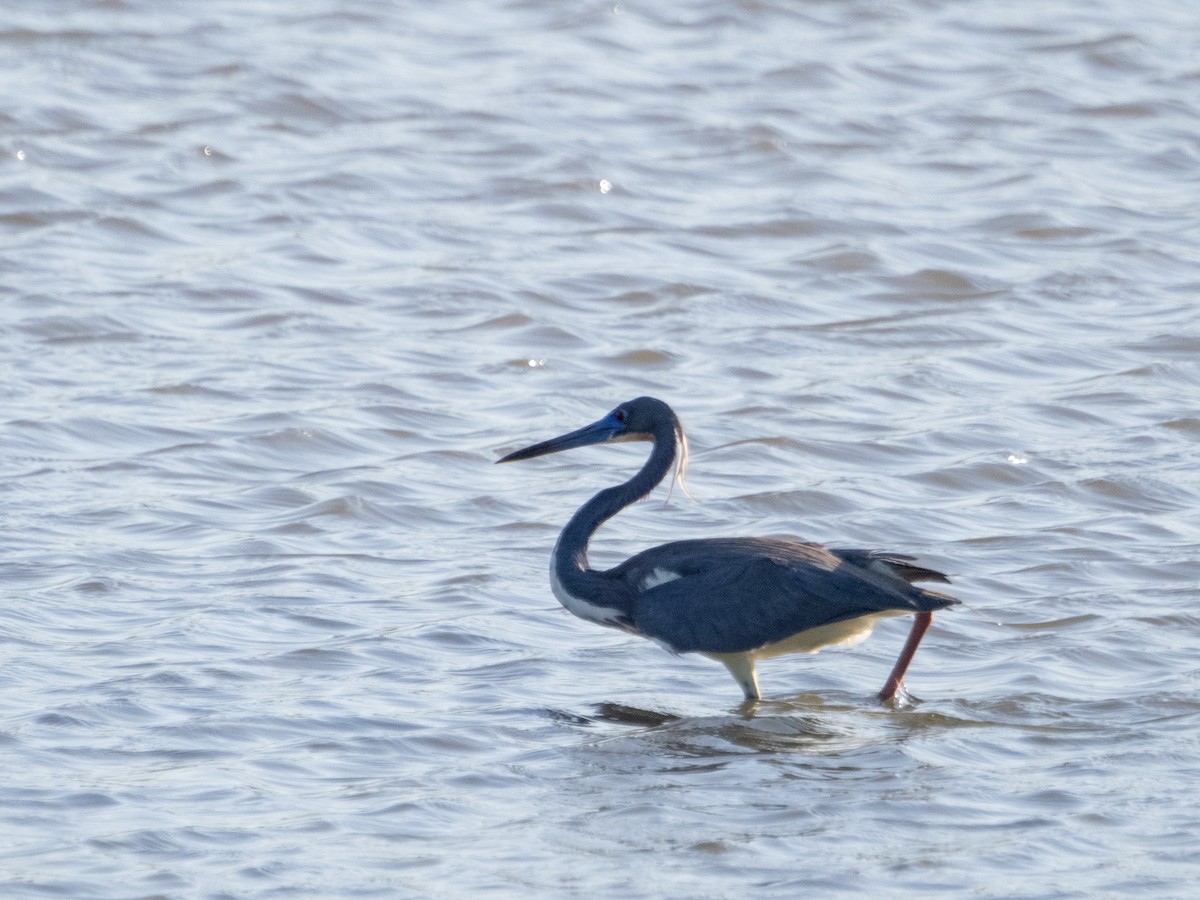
737	594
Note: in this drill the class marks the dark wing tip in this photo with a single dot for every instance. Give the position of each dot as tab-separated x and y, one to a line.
897	564
920	573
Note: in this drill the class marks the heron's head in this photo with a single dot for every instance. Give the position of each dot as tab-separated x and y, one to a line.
643	419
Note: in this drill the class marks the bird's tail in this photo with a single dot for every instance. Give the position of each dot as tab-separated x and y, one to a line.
903	567
895	564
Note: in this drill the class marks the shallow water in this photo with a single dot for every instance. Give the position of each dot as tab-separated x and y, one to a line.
279	284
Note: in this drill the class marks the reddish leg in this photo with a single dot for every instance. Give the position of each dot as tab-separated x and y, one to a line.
921	623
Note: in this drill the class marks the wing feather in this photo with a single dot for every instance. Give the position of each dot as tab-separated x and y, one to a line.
740	594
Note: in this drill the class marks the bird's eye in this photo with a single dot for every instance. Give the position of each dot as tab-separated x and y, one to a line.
619	415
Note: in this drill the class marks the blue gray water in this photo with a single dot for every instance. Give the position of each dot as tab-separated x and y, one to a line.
278	282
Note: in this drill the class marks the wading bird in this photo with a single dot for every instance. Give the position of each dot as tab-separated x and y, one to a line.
735	600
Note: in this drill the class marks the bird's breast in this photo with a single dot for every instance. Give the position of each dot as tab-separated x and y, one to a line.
581	606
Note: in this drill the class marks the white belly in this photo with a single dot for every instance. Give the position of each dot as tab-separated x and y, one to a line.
847	633
844	634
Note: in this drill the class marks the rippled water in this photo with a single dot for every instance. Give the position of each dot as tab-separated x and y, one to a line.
280	281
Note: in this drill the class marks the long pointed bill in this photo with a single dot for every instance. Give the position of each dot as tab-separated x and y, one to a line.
596	433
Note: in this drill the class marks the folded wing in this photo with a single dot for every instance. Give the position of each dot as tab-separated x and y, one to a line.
728	596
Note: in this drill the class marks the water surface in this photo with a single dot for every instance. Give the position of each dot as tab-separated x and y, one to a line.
280	283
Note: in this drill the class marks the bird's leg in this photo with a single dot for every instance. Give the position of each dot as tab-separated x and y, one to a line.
921	623
741	667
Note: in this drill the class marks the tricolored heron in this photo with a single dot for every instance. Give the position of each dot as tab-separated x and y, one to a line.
735	600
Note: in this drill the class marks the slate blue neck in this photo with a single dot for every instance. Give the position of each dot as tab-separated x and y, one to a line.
571	563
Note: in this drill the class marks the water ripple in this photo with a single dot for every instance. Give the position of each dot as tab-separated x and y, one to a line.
281	285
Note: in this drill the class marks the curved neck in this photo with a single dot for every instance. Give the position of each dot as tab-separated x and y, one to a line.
570	554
